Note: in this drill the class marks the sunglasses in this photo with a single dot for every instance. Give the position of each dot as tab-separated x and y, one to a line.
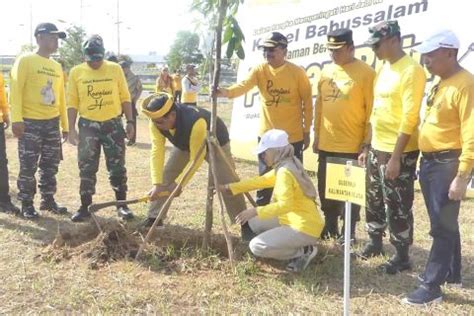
431	96
269	49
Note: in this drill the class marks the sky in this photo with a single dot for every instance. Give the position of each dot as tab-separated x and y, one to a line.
147	25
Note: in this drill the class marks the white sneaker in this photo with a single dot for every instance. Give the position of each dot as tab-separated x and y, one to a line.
300	263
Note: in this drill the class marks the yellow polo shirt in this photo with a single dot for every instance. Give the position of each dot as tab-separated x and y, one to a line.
285	98
449	120
97	94
3	100
398	93
343	106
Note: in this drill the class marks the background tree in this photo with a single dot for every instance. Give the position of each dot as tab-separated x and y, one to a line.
70	51
185	50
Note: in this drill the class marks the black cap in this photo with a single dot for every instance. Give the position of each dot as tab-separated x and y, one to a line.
275	39
49	28
93	48
339	38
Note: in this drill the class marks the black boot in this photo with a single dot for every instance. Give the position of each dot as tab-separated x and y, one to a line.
343	230
9	207
123	211
28	211
246	232
330	229
373	248
83	212
398	262
49	204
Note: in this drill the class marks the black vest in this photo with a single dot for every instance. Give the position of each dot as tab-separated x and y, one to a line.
186	116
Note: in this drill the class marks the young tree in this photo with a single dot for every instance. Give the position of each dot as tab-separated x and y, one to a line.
185	50
71	50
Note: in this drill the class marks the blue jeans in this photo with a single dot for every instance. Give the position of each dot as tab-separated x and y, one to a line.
444	262
265	195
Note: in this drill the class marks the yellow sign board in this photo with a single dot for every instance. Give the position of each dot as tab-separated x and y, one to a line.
345	182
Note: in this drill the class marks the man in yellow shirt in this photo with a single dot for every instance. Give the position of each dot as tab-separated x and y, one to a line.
285	99
341	127
177	85
38	108
391	166
98	91
6	204
190	86
447	145
186	127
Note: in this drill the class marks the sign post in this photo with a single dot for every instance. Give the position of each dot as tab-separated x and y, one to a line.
345	181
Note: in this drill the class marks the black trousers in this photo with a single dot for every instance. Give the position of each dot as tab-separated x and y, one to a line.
4	186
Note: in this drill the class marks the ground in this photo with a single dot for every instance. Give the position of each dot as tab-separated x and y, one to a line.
55	266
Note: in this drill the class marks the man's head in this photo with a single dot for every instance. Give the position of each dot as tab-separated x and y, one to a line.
439	52
47	35
275	49
111	57
341	46
385	39
161	109
94	51
191	70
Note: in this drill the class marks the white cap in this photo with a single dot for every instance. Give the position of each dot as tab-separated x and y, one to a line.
273	138
444	38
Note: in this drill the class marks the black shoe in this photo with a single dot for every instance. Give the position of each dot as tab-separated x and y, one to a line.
341	241
81	214
9	207
371	250
246	232
124	212
148	222
330	229
29	211
394	265
423	296
52	206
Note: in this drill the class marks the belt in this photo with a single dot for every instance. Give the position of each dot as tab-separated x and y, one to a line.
445	154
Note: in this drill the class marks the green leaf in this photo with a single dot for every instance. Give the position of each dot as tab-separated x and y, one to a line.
240	52
228	34
230	47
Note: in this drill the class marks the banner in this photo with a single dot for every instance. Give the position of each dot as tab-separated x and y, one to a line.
306	23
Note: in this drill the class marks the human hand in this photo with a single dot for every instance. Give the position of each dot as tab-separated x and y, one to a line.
244	216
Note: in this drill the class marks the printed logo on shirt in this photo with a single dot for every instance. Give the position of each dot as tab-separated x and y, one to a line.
47	93
278	95
99	96
336	90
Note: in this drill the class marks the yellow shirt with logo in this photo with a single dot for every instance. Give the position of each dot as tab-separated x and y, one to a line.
97	94
177	82
157	157
343	106
289	203
37	90
3	100
285	98
398	93
449	120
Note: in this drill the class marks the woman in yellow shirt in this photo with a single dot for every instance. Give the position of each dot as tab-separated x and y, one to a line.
289	227
164	82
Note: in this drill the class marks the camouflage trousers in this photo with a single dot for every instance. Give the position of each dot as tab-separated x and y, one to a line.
93	136
40	146
389	202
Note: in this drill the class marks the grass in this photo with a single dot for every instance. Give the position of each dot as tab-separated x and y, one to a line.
175	276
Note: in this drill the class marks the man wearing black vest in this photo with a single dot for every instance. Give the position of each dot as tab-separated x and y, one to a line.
186	128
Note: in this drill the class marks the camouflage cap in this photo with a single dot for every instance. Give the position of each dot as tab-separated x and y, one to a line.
381	30
93	48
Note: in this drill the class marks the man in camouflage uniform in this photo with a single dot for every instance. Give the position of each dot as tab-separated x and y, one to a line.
135	88
98	91
38	107
398	91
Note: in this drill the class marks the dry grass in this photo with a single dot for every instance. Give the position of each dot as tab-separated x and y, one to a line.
55	266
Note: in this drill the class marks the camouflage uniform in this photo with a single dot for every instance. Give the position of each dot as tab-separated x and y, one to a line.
111	136
389	202
40	146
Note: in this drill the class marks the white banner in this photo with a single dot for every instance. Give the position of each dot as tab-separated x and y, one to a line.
306	24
